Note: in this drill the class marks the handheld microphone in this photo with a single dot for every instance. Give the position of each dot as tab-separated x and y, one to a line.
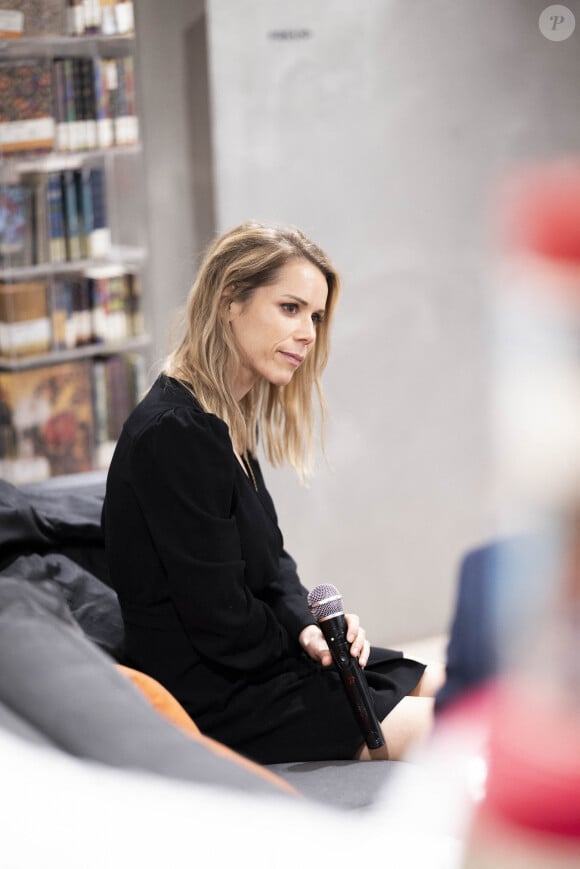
325	604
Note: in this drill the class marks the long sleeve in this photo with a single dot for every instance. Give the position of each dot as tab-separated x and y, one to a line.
288	598
182	471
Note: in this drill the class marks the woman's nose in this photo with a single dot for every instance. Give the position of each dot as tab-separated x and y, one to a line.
306	330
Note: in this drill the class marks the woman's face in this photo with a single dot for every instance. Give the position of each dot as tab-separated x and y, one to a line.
276	327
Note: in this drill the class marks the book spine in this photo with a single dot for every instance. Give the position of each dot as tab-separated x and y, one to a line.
103	446
100	238
125	16
135	307
132	117
41	219
118	316
76	17
89	102
98	305
55	210
108	18
71	217
112	85
71	136
84	212
61	128
104	121
80	137
121	132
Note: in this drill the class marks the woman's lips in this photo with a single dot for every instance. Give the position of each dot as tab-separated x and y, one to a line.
293	358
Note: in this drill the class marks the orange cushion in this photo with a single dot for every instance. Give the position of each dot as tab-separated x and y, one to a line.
166	704
161	699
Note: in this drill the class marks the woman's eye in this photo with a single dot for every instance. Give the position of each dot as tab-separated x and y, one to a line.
317	319
290	307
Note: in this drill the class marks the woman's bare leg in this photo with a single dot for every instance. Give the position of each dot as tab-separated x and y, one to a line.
405	727
431	680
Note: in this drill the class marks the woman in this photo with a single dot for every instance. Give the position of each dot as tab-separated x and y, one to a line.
212	604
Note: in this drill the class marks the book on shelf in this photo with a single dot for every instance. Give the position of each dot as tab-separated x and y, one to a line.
47	421
27	123
99	239
110	303
57	251
16	217
37	183
65	218
72	229
100	306
72	103
25	324
24	18
124	112
118	384
106	17
61	316
30	18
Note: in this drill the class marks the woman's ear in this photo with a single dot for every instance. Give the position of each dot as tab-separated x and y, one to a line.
232	307
226	300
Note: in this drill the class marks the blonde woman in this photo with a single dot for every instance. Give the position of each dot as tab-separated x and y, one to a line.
212	604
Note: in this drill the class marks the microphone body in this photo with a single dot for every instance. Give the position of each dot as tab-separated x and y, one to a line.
325	604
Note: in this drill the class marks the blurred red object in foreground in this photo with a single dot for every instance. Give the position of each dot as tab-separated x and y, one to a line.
539	210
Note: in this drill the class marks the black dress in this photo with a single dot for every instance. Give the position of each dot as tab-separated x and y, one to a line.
211	602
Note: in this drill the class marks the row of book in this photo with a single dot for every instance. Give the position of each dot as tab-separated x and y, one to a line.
32	18
103	306
54	217
65	418
67	104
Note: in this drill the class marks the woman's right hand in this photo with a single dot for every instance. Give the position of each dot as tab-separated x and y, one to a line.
312	641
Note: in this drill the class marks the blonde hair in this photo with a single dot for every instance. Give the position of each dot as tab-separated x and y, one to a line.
206	359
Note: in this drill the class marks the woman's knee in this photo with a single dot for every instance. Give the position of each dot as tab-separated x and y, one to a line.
405	728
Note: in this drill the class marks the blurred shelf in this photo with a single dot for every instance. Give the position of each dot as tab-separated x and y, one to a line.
118	255
11	363
58	44
11	168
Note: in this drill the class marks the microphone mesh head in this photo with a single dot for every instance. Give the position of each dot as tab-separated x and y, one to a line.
325	602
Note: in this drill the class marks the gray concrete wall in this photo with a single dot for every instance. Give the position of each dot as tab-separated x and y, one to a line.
379	128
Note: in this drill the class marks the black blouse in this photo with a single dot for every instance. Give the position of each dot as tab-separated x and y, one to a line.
211	602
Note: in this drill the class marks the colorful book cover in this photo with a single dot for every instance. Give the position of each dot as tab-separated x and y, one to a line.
50	413
14	230
38	17
26	107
